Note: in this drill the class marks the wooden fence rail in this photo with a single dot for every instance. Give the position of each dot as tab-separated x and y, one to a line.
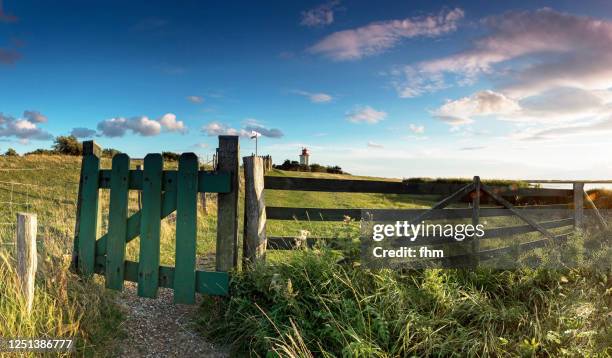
554	208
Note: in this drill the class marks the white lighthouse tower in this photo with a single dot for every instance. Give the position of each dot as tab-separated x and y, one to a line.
305	157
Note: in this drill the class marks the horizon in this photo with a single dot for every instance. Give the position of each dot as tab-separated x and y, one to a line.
421	89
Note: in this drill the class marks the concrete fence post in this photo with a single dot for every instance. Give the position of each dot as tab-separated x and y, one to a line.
227	205
254	239
26	256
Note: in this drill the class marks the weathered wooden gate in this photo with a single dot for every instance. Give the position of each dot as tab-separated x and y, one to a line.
163	192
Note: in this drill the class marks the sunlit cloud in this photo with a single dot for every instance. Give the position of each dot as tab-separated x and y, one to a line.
380	36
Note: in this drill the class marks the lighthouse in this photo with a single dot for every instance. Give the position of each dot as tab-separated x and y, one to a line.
305	156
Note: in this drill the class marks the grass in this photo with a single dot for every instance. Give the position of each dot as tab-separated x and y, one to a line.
301	303
64	305
311	305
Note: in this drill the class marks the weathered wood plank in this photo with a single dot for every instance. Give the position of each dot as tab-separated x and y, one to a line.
579	205
208	283
26	257
509	206
89	148
186	229
227	205
210	181
88	215
150	225
445	202
291	243
325	214
117	222
491	253
522	229
254	241
133	223
395	187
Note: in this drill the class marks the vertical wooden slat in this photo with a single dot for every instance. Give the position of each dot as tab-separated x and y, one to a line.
88	215
117	222
254	240
186	229
578	205
475	220
227	205
150	225
89	147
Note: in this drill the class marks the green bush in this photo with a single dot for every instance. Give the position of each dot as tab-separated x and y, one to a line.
11	153
312	306
68	145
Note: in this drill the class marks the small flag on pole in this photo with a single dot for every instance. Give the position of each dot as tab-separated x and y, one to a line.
255	134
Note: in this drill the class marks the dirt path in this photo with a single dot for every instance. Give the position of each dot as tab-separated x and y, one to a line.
159	328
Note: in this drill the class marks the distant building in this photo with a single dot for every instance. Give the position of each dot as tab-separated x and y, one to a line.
305	157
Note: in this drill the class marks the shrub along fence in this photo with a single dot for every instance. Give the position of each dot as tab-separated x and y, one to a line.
163	192
568	205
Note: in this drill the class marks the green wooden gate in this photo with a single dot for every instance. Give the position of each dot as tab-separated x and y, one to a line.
163	192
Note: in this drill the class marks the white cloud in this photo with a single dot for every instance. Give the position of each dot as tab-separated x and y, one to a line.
34	116
81	132
319	16
201	145
316	97
216	128
195	99
417	129
170	124
366	114
375	145
478	147
599	127
21	128
556	50
483	103
379	36
142	125
266	132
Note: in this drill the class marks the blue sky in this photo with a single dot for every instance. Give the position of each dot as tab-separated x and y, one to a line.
396	88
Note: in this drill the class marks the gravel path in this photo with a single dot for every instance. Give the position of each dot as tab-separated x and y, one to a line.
159	328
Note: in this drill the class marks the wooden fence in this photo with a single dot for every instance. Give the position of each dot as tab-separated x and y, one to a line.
163	192
502	201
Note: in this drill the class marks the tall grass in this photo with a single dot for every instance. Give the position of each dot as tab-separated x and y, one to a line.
64	304
310	305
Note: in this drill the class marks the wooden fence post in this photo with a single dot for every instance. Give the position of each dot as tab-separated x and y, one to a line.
578	205
227	205
476	220
204	203
204	198
254	238
139	167
26	256
89	147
